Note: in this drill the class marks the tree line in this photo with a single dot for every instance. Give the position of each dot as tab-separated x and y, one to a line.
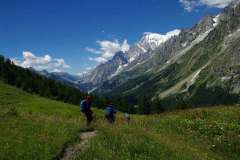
32	82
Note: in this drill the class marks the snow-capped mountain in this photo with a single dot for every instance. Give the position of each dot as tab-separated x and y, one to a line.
137	53
154	40
151	51
187	63
168	52
200	66
149	42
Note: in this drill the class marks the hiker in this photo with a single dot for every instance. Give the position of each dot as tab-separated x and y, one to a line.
110	113
127	117
85	107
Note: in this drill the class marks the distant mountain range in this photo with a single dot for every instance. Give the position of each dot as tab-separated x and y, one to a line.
184	65
63	77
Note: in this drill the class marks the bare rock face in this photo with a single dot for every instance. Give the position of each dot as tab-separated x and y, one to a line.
106	70
206	55
144	56
153	50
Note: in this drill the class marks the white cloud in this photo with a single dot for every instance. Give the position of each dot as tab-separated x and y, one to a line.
107	50
98	59
189	5
216	3
93	50
45	62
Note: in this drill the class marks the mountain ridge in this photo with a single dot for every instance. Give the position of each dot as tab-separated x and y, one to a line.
174	67
180	77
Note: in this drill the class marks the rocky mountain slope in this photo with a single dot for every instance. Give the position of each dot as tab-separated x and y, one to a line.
63	77
180	67
137	53
162	55
197	61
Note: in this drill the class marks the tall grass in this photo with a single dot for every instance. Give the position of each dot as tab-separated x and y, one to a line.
32	127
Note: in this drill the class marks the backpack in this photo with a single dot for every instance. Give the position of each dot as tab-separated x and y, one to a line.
110	111
83	106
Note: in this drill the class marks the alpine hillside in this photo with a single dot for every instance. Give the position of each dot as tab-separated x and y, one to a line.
178	68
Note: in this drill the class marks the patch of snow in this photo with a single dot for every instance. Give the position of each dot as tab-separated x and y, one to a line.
142	48
195	76
125	65
133	58
184	44
226	78
150	41
216	20
202	36
149	70
92	90
117	71
138	63
155	39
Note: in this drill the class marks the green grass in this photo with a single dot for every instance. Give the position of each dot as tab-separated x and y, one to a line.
200	134
32	127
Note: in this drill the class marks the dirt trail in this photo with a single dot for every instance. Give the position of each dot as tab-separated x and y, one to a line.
72	151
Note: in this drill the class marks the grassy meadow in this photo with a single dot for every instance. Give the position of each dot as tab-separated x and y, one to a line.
199	134
33	128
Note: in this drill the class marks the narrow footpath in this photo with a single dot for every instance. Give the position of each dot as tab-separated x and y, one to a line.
74	150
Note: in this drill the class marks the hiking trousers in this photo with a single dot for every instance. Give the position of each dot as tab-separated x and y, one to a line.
110	118
89	117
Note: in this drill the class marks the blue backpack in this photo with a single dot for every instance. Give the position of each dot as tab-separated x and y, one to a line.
83	106
110	111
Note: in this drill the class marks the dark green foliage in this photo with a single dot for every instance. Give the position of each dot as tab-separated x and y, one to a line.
144	106
157	106
201	96
32	82
123	104
212	96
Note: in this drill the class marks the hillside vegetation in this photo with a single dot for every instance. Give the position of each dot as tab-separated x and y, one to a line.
33	127
29	80
199	67
38	128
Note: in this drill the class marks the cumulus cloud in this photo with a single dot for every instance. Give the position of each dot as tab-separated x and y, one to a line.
107	50
45	62
189	5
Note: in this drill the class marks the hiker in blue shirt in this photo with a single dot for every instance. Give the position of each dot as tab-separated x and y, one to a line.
110	113
85	107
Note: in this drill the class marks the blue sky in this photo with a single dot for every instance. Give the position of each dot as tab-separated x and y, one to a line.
58	34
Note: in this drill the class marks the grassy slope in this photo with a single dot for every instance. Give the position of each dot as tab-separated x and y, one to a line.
33	127
37	128
200	134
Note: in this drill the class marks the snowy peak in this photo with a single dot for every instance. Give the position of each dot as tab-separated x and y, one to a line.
153	40
216	20
149	42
